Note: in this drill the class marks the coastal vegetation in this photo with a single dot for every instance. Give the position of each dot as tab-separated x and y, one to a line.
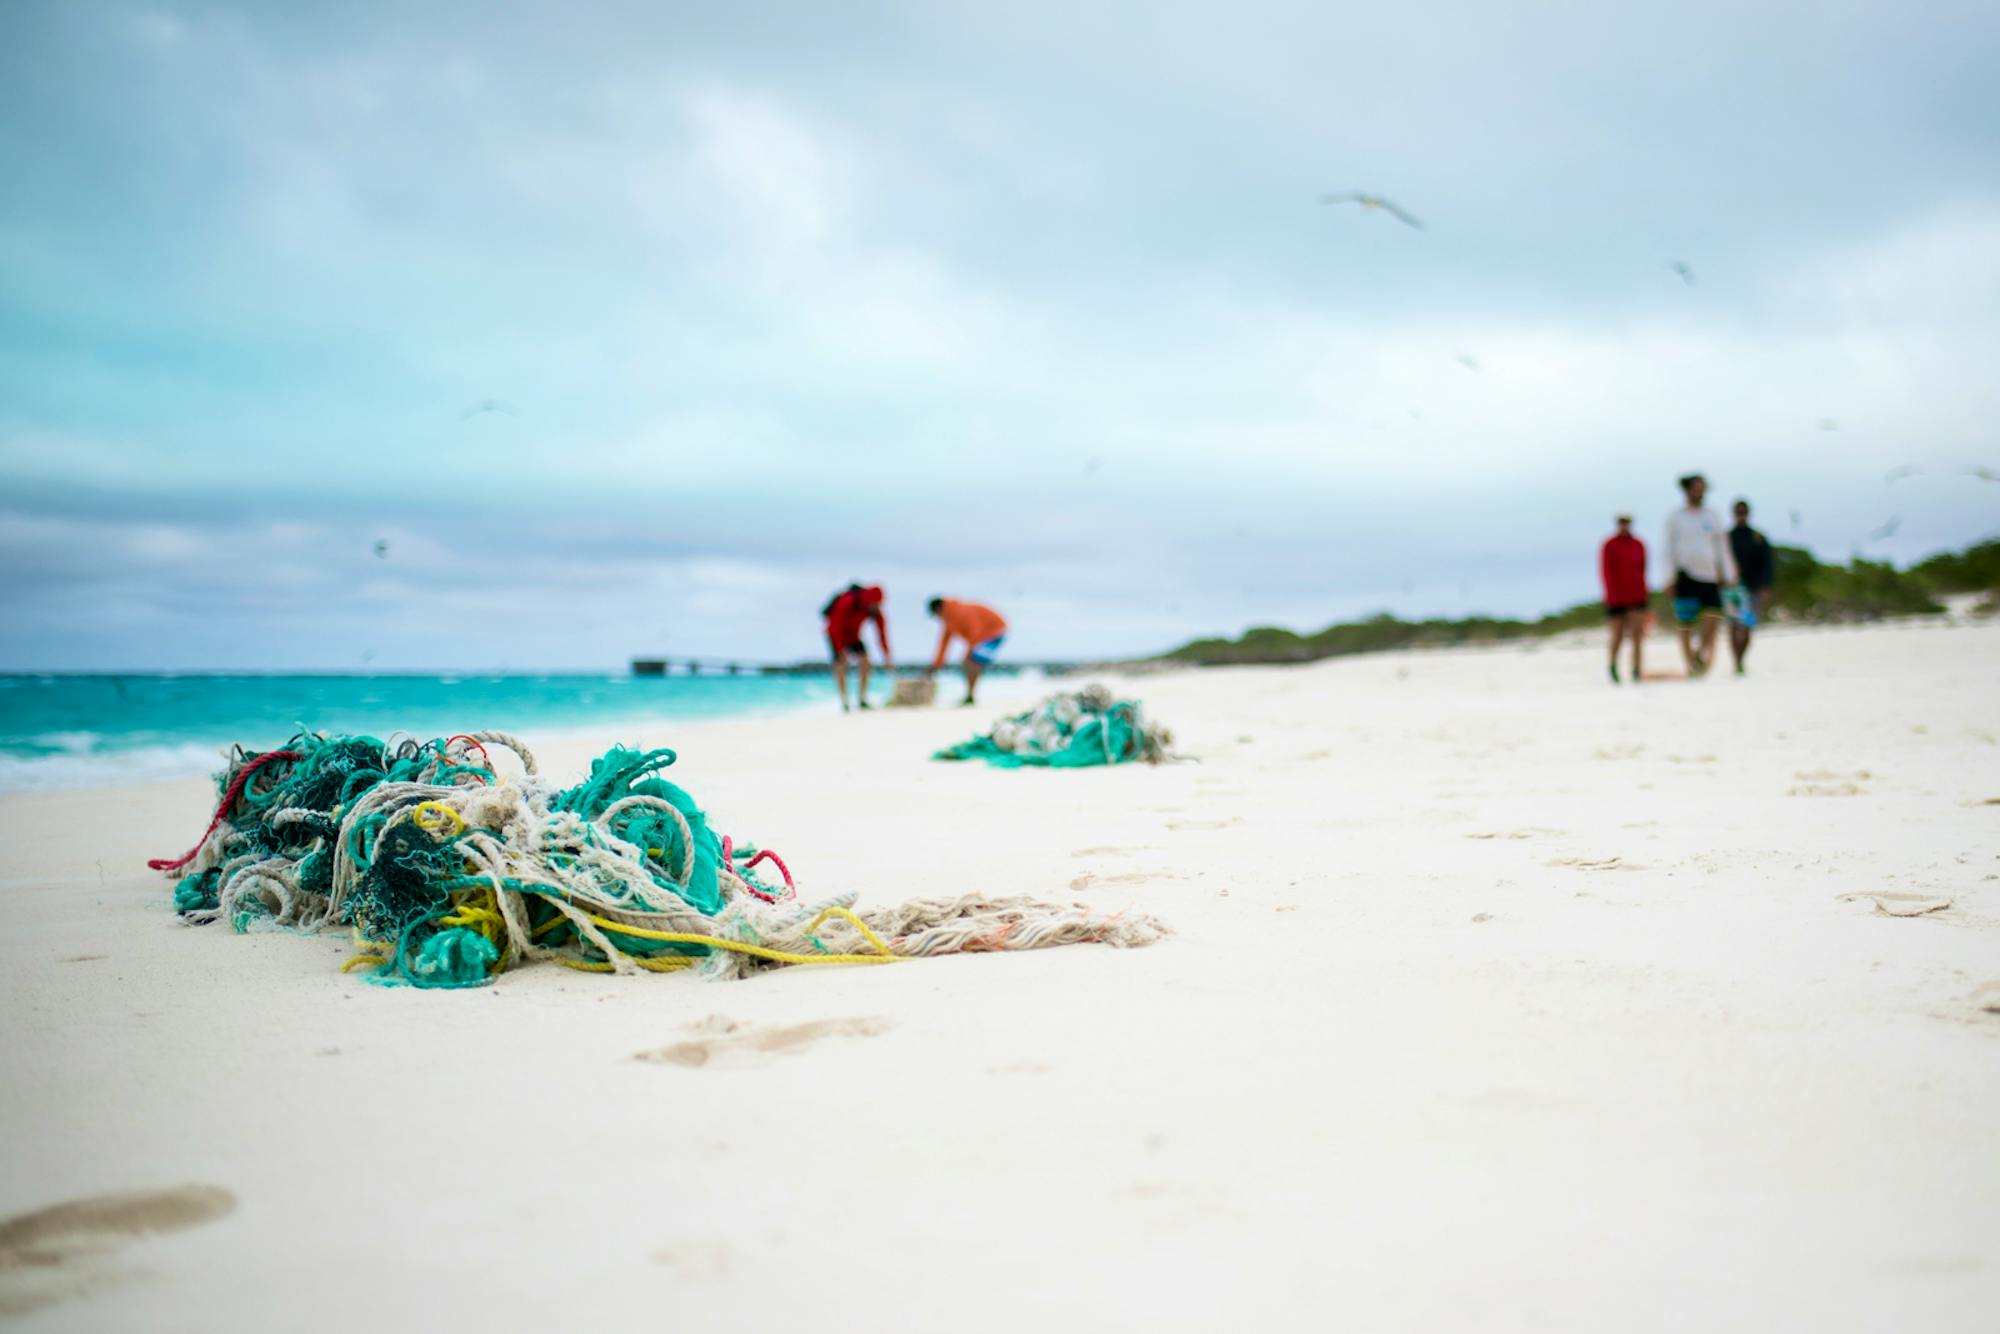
1807	590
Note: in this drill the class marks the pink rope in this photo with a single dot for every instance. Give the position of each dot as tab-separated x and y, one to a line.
229	797
729	865
791	890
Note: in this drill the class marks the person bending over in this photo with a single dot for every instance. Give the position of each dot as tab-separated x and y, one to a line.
982	629
847	615
1698	553
1622	563
1758	569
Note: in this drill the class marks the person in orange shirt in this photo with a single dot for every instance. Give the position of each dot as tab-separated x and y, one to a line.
982	629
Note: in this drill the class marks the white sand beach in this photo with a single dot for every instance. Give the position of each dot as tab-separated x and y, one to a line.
1498	999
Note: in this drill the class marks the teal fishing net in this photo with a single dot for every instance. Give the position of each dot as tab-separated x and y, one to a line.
449	868
1071	730
305	837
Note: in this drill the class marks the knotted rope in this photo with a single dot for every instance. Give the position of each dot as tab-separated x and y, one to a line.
449	873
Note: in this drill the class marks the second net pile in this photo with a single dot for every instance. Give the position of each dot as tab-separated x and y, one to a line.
1070	730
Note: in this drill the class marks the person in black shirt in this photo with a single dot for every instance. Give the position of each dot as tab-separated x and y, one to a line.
1756	568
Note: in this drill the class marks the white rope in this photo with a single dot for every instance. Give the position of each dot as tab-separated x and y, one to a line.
508	835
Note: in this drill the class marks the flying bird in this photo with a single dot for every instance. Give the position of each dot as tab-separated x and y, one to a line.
486	405
1898	474
1983	474
1797	518
1467	360
1686	273
381	550
1887	530
1373	201
1828	424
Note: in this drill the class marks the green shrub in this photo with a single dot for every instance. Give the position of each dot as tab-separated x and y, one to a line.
1805	589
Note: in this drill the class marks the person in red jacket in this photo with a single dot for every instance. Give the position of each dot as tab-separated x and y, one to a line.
1622	563
847	615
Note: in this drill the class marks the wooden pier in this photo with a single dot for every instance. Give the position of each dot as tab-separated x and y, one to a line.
738	667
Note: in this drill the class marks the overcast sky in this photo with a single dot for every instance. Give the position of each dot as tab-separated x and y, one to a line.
1030	303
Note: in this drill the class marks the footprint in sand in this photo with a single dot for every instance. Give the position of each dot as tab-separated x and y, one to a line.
1103	852
698	1258
1597	863
1089	878
1203	824
1827	783
66	1250
1515	833
726	1044
1019	1068
1899	905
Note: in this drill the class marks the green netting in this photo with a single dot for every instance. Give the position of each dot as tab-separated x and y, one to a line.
301	838
1071	730
448	872
623	773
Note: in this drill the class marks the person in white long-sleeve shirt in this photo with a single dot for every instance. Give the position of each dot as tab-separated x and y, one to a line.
1697	548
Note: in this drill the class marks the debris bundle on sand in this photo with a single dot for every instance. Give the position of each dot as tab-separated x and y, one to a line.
450	872
1069	731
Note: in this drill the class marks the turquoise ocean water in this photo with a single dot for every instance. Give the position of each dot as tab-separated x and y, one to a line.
86	731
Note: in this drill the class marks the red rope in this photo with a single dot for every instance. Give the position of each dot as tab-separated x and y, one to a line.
236	786
471	743
791	891
729	865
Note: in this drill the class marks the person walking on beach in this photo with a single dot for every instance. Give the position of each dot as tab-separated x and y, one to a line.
1757	569
1622	564
847	615
982	629
1698	553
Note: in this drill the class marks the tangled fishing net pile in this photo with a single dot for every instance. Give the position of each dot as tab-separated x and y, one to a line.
1068	731
449	872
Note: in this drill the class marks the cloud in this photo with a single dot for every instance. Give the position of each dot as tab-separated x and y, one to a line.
1033	308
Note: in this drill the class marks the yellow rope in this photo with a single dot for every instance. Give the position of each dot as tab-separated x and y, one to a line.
672	964
760	951
377	952
456	821
480	913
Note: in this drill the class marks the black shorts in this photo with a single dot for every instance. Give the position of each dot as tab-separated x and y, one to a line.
857	649
1694	596
1614	610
